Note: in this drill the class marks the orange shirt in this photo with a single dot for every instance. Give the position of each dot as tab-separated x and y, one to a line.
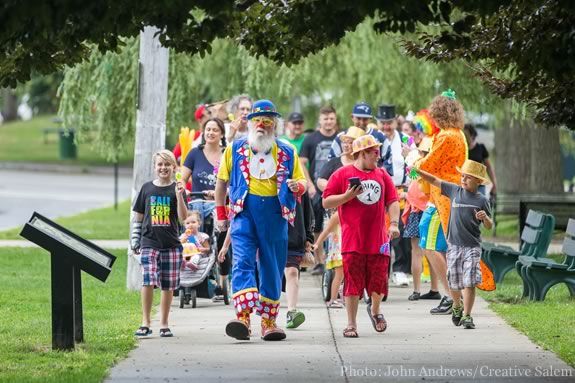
448	151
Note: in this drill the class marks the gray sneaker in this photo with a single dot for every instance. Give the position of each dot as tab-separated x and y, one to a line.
444	307
467	322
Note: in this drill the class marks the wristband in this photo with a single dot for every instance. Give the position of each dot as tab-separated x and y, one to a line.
221	213
300	190
393	222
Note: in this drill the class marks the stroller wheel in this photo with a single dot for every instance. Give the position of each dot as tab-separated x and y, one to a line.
326	281
193	298
225	293
182	300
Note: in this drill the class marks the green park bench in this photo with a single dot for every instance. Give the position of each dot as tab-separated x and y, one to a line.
535	237
539	275
560	206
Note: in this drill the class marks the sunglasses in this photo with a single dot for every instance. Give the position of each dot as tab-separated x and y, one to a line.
265	121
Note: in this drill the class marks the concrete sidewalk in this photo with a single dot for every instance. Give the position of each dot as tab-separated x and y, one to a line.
416	347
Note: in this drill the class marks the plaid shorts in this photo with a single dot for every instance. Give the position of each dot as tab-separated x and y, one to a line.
463	266
161	268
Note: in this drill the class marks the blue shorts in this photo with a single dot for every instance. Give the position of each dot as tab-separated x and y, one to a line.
430	231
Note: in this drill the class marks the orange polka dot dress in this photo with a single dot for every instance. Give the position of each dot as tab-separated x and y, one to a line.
449	150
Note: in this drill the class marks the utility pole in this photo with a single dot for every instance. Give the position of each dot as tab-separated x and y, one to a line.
150	124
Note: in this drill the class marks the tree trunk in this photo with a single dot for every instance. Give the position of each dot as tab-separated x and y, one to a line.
10	105
528	162
546	170
150	124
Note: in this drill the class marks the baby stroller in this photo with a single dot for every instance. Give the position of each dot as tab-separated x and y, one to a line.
195	283
198	283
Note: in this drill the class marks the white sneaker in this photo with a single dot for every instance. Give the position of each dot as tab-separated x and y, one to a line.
401	279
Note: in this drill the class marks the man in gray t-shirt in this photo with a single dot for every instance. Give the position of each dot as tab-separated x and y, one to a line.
463	227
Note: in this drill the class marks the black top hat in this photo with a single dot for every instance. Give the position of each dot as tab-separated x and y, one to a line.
385	112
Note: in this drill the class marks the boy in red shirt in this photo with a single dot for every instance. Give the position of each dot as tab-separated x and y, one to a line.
361	192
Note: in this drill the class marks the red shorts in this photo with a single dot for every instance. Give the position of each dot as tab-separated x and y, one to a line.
365	271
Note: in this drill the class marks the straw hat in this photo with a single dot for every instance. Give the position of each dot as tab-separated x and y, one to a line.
364	142
425	144
474	169
353	132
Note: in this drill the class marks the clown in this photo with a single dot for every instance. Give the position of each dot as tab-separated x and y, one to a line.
265	178
449	151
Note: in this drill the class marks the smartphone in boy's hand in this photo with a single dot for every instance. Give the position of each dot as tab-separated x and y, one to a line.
354	181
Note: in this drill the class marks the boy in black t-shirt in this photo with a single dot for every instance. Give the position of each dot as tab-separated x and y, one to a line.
158	207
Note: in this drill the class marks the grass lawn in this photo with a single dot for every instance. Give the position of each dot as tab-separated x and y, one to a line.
105	223
550	323
23	141
111	315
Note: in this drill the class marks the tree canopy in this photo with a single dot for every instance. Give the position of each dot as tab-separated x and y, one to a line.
523	49
98	96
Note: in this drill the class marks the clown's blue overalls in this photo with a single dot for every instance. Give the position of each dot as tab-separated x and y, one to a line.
259	231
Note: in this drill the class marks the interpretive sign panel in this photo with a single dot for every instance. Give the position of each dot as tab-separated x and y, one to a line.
71	254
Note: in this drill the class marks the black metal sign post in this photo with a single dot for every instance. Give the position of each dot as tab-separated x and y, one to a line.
78	317
71	254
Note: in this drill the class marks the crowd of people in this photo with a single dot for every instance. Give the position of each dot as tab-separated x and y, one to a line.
368	203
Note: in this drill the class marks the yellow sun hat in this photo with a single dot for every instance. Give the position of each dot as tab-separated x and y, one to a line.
364	142
474	169
353	132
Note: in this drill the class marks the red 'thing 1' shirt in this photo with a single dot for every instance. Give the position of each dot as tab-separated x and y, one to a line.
363	218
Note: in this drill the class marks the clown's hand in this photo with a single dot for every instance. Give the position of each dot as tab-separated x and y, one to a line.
222	225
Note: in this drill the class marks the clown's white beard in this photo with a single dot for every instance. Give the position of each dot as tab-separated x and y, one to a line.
261	143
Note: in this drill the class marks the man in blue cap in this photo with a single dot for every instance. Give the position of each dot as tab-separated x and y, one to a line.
265	178
362	117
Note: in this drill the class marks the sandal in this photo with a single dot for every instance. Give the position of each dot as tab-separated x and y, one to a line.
376	320
336	305
166	332
350	332
143	331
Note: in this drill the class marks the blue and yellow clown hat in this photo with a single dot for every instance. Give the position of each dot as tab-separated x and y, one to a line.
263	108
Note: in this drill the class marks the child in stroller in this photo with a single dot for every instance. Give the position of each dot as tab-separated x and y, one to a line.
198	261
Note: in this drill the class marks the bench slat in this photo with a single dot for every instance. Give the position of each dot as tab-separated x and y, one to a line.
571	228
535	219
569	246
530	235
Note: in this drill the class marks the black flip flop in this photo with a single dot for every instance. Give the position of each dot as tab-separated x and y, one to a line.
143	331
166	332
